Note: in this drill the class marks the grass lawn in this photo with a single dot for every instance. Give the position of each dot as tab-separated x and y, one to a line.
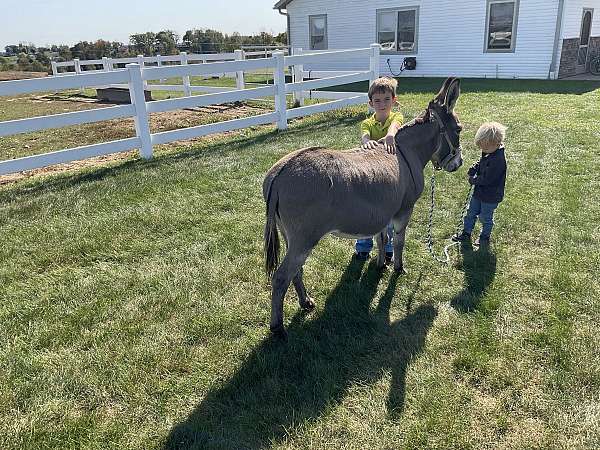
135	310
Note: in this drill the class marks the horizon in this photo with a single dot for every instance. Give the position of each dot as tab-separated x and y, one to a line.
28	24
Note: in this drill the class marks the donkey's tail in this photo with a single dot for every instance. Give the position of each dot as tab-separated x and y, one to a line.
271	238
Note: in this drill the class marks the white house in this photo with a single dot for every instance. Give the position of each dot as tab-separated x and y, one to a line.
469	38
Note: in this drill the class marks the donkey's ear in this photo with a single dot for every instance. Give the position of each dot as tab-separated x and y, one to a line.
426	117
440	98
452	94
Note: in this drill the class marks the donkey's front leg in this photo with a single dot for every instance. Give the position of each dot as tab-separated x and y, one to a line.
400	222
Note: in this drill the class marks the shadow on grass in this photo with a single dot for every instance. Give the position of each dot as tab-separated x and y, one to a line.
480	269
409	85
284	386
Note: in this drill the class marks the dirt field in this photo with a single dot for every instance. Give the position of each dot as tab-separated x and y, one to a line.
13	75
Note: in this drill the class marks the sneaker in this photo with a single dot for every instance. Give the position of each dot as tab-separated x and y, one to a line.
362	256
482	241
462	237
389	257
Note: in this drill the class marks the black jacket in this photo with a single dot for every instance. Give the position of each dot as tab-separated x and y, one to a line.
489	176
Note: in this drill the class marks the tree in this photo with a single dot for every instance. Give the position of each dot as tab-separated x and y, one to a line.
6	64
143	43
24	61
64	53
281	38
166	42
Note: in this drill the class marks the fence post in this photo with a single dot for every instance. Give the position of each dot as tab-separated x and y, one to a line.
186	78
374	63
374	66
105	65
298	71
77	65
159	64
239	75
280	99
54	71
140	59
138	100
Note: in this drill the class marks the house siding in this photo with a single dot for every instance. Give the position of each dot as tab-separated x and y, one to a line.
441	51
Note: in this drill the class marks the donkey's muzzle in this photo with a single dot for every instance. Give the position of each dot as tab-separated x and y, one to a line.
453	164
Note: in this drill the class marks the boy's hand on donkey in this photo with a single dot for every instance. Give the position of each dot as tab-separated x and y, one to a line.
369	145
389	142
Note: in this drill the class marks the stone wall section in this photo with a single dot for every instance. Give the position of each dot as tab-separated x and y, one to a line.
568	57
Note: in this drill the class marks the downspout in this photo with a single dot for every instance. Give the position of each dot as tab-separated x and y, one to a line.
553	72
288	38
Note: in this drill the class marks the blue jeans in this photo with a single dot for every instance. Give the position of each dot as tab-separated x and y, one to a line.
366	244
485	211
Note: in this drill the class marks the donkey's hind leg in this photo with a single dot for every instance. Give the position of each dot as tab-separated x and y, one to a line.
306	302
290	266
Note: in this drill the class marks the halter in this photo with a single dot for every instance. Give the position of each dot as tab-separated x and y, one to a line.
443	135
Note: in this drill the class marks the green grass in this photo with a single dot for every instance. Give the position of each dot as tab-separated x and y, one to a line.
135	312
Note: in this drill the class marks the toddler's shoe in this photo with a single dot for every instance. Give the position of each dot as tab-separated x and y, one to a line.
462	237
362	256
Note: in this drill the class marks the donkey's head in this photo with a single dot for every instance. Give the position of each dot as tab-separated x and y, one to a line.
448	154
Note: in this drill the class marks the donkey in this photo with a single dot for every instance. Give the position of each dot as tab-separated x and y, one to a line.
315	191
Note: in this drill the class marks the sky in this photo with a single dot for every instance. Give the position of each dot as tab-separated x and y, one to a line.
70	21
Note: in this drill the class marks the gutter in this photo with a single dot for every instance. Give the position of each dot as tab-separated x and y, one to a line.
553	71
287	32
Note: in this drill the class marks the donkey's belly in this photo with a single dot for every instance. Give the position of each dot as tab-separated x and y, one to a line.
339	234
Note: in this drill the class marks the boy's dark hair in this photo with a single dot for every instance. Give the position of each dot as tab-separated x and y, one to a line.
383	85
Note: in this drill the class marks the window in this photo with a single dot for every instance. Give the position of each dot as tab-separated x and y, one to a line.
318	32
501	25
397	29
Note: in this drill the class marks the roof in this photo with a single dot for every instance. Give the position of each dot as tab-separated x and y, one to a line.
281	4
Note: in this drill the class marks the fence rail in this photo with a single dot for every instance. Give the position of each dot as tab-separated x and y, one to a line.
135	77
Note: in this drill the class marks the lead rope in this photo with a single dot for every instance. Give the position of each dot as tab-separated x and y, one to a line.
430	225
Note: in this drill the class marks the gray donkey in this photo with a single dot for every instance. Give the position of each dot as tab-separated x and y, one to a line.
315	191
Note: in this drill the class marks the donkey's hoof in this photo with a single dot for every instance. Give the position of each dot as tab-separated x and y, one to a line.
308	305
400	270
279	332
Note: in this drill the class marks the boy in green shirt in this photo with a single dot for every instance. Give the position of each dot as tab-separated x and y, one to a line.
381	127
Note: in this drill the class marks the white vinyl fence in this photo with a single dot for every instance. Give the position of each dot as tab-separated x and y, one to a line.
135	77
110	64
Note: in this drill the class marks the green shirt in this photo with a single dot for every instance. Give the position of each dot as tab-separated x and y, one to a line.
375	129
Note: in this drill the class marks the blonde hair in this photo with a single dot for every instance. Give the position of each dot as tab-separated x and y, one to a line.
383	85
490	133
